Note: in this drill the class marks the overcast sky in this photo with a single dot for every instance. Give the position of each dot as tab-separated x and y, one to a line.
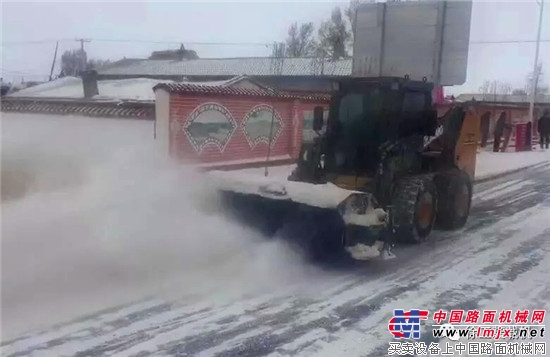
239	22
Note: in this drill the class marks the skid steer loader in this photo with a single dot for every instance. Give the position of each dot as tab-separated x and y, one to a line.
382	169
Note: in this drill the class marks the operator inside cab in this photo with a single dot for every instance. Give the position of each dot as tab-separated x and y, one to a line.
368	118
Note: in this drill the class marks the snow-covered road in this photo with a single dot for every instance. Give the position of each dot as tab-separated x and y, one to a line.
501	260
275	306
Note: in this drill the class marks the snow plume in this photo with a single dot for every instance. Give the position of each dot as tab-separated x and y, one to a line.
103	219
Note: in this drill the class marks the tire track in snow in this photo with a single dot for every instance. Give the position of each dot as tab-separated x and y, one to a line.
471	304
459	285
360	308
509	290
355	307
502	189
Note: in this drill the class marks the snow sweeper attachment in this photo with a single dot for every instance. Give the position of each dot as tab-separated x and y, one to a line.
386	169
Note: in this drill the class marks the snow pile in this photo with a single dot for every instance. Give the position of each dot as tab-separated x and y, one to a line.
273	172
326	196
103	219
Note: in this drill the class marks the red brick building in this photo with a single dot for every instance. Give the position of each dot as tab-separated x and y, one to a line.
222	126
515	107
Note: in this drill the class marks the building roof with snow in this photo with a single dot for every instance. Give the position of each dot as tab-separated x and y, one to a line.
502	98
72	88
124	98
100	109
223	67
199	89
305	74
133	89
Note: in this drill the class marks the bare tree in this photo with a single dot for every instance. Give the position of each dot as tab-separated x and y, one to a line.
73	62
333	36
278	50
491	90
350	15
300	41
518	91
488	89
485	88
504	88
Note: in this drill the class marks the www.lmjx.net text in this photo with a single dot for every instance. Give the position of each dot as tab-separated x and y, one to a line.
493	332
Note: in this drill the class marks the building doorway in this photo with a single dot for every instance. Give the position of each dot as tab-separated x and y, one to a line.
484	126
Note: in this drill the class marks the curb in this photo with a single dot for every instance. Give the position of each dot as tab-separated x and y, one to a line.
506	173
249	165
291	161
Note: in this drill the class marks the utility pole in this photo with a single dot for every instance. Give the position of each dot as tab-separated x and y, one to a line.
82	40
54	57
277	63
536	73
83	59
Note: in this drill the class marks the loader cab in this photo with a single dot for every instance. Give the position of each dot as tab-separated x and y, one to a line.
364	114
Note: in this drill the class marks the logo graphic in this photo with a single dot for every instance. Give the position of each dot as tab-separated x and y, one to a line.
488	324
429	139
406	324
261	123
210	124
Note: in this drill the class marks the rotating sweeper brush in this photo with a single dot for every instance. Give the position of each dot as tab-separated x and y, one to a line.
324	220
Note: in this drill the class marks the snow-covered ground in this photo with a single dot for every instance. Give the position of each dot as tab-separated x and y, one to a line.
499	261
105	237
494	163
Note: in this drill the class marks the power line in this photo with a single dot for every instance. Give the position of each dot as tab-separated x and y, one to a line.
82	41
194	43
188	43
37	42
141	41
506	42
271	44
16	72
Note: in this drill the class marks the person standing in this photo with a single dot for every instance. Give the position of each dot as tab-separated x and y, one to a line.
544	129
